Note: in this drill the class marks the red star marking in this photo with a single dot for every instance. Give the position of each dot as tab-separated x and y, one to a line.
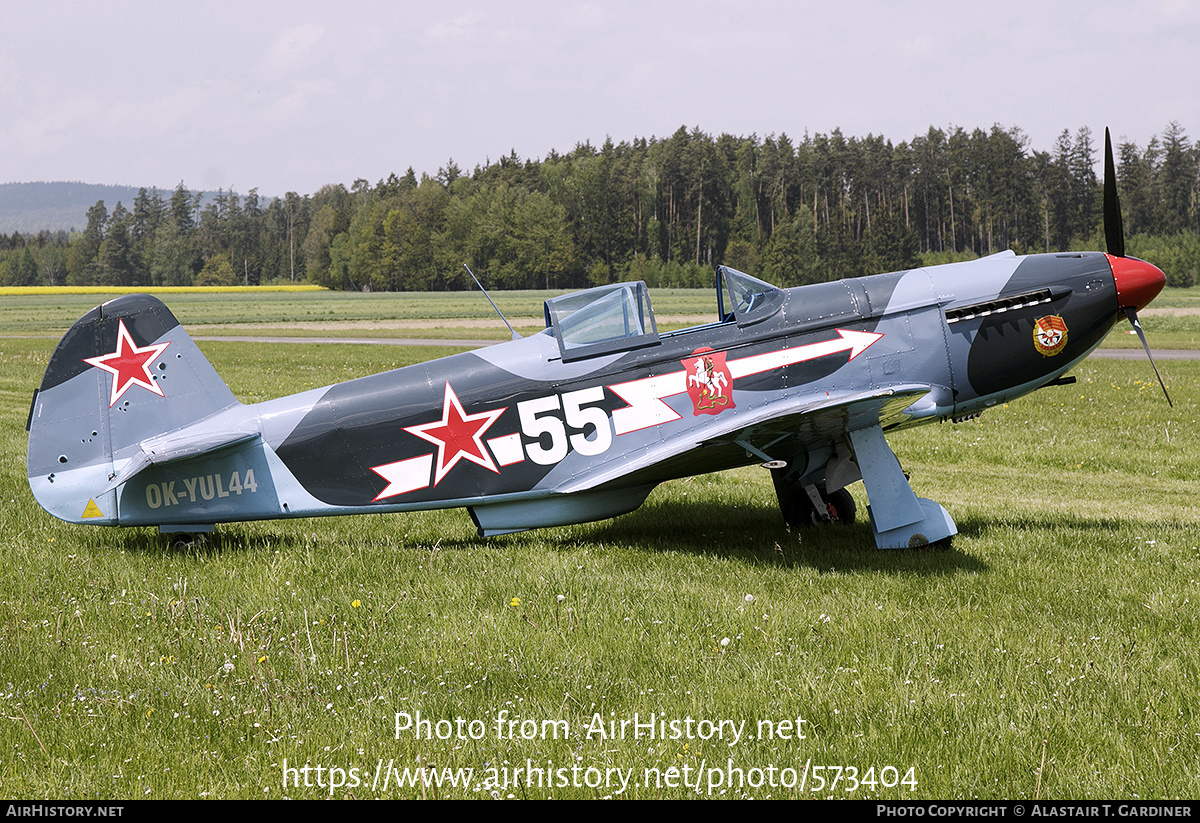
129	365
458	435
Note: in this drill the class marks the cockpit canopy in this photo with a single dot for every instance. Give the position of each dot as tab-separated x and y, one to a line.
602	320
750	300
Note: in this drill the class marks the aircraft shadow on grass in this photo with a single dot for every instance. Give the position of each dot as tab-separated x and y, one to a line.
738	531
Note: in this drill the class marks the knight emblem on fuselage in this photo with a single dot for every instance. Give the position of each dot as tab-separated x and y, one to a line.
709	383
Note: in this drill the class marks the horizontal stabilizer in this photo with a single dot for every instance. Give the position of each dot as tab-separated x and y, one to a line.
173	446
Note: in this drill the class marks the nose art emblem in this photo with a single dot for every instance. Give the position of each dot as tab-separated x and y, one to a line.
1050	335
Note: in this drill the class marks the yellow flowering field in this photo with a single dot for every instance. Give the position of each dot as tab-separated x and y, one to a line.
52	290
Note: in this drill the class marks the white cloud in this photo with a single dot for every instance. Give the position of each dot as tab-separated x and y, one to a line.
457	28
291	49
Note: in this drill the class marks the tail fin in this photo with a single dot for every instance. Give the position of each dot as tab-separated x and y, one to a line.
124	373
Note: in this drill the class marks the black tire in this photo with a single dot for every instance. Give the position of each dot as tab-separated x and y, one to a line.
841	505
798	511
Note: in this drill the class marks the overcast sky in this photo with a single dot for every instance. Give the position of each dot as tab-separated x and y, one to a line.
289	96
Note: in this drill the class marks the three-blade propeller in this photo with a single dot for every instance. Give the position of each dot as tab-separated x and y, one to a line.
1137	282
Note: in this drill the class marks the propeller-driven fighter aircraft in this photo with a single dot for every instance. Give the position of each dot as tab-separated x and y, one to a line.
131	426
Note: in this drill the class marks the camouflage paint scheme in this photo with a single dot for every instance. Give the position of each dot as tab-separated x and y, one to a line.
132	427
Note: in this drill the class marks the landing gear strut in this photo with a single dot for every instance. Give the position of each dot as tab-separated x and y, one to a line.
898	518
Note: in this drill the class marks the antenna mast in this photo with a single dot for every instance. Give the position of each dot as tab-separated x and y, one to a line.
515	336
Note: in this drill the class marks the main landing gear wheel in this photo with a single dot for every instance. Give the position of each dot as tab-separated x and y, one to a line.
840	505
799	509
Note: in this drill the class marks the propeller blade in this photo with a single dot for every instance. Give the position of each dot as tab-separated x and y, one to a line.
1114	230
1131	313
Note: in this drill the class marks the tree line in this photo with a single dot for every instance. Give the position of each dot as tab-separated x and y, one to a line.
660	210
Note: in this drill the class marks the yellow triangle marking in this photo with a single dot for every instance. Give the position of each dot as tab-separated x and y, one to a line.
92	510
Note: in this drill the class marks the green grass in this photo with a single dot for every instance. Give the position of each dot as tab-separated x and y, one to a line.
1163	332
56	313
447	315
1179	298
1053	652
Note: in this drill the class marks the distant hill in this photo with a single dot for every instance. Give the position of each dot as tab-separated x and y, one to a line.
32	207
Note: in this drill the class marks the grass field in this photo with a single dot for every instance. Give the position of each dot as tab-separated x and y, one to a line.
459	315
465	315
1054	652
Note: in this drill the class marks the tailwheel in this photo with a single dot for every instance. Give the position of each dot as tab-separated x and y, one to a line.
179	541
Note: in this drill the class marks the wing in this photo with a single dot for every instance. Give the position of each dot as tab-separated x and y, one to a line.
776	431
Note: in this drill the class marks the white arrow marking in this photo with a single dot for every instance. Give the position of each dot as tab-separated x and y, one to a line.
404	475
645	397
853	341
